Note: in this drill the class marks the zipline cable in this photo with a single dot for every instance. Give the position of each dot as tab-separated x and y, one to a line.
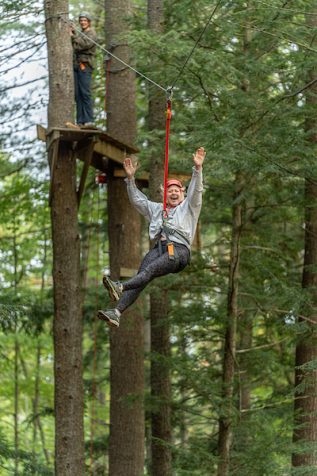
195	45
111	54
166	90
169	93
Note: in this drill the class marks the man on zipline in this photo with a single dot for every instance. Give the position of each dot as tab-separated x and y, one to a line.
174	235
84	54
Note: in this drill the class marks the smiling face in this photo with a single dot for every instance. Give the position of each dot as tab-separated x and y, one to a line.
174	196
84	23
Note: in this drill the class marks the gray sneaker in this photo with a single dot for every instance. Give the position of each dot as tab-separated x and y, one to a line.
110	316
115	288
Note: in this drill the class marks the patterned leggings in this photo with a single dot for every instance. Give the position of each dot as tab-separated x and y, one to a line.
153	265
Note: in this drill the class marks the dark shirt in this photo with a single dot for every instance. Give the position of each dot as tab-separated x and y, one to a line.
84	47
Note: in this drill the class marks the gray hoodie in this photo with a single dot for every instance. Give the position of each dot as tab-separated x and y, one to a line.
182	218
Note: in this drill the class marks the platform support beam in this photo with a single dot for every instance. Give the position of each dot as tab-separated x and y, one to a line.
85	150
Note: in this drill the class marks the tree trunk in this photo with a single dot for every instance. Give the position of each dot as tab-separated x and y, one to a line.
225	421
183	392
69	436
305	406
160	386
126	446
160	343
16	366
16	405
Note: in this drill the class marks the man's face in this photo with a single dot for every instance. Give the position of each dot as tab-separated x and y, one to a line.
84	23
174	196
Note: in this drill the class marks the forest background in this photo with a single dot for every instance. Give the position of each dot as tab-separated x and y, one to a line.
242	318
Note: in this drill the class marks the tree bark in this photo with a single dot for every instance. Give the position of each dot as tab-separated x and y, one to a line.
126	446
16	405
160	386
69	435
16	366
160	342
305	405
225	420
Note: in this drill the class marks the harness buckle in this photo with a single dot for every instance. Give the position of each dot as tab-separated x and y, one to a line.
171	251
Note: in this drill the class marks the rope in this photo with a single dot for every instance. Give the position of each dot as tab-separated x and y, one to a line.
167	128
111	54
166	90
169	92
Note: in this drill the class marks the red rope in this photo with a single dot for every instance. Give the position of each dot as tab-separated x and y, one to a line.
168	122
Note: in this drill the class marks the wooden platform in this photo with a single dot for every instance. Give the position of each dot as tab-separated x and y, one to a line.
93	147
105	146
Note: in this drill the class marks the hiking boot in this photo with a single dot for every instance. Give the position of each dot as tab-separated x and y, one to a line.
115	288
110	317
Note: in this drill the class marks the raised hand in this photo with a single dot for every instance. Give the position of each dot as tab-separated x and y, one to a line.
199	157
129	167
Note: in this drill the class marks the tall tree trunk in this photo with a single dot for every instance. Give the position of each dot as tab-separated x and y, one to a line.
126	447
160	386
228	379
305	406
160	343
225	421
16	405
69	435
183	392
16	365
36	400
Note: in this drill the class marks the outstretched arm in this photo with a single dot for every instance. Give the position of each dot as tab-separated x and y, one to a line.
195	189
136	197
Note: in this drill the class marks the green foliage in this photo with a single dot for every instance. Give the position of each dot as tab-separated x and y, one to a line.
242	95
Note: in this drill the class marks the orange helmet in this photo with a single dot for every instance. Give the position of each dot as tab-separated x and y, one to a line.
175	182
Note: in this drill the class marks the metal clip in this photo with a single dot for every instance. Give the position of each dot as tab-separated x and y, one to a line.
169	93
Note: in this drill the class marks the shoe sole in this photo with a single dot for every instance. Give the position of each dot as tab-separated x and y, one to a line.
89	128
114	296
103	317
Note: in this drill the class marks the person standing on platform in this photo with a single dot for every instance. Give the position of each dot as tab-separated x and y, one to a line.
84	46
